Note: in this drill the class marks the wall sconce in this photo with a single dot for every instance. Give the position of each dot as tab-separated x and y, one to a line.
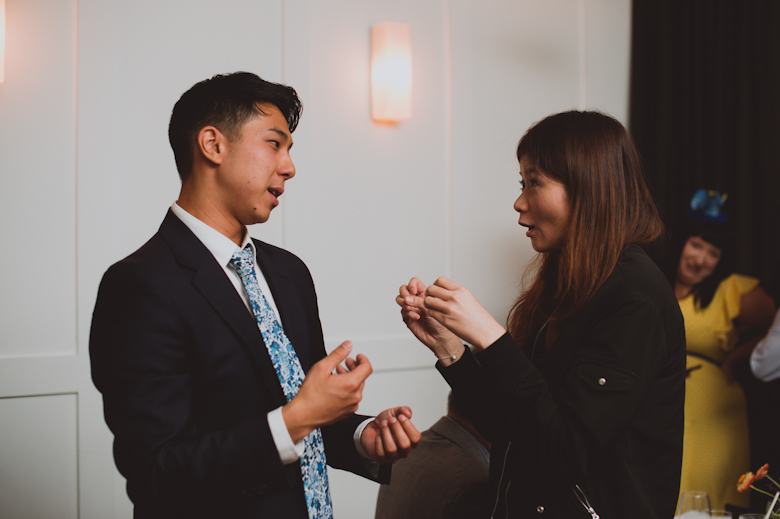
2	41
391	72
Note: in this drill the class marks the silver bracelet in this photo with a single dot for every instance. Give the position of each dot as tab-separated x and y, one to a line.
454	356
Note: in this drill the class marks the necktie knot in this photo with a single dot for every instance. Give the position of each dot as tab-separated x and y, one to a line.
243	262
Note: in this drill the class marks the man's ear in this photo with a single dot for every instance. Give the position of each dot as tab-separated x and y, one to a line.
212	144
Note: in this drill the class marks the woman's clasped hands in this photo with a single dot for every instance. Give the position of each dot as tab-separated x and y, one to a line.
443	314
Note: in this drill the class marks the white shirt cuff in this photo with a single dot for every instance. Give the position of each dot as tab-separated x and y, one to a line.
765	359
371	465
289	451
356	439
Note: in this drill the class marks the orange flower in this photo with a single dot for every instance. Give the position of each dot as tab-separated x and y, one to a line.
762	472
745	480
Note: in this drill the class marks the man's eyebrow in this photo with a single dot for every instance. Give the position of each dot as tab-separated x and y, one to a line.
283	134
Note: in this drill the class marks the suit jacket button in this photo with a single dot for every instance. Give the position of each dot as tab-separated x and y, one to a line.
602	381
539	509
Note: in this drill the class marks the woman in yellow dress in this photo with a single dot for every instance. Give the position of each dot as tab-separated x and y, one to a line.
725	316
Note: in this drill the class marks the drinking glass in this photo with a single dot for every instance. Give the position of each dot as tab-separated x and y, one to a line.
721	514
751	516
694	504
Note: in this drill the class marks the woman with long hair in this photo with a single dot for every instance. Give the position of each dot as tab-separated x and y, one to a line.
582	400
725	316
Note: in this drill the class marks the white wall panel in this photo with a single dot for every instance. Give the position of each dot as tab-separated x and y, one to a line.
131	74
38	457
37	184
512	64
608	54
368	208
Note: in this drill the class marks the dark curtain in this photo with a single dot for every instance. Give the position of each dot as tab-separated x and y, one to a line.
705	113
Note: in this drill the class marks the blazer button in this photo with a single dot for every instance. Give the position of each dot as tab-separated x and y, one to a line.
602	381
539	509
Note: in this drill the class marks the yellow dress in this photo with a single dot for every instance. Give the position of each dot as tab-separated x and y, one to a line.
716	450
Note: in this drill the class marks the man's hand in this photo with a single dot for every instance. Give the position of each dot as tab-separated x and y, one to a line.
325	398
391	436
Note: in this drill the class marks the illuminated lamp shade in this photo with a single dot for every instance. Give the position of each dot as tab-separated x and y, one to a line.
2	41
391	72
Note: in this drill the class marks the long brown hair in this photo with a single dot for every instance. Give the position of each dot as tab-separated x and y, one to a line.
593	156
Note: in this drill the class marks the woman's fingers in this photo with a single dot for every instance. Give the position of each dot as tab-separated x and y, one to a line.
438	292
416	287
409	301
439	318
446	283
445	289
409	312
406	297
436	304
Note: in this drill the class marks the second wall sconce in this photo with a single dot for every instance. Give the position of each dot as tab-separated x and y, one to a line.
391	72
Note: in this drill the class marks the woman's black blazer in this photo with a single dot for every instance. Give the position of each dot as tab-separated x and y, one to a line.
602	412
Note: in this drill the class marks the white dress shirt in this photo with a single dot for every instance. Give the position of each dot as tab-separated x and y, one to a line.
765	359
223	248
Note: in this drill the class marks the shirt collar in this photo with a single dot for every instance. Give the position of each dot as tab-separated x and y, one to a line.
220	246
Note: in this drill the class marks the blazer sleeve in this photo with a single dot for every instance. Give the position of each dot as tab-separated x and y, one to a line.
612	368
144	365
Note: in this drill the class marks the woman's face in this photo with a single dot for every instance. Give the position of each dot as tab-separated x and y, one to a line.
543	205
697	262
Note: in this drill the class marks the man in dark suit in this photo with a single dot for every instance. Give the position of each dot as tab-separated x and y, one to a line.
201	358
445	477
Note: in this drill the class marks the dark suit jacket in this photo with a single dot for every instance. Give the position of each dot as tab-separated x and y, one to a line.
187	381
444	477
603	410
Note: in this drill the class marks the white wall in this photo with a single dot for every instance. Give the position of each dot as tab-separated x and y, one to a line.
87	176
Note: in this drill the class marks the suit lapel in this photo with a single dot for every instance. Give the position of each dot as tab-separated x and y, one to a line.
286	297
210	280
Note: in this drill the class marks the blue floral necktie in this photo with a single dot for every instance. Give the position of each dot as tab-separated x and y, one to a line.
288	369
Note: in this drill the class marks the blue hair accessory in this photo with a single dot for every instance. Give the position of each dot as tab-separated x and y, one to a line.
706	206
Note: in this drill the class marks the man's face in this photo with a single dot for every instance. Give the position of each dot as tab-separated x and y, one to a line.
256	165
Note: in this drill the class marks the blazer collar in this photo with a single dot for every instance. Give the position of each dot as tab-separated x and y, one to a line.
210	280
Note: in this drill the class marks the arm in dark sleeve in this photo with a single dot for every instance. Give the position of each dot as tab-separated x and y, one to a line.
143	362
612	367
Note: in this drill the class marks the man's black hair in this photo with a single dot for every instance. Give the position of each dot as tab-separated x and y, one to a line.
227	102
